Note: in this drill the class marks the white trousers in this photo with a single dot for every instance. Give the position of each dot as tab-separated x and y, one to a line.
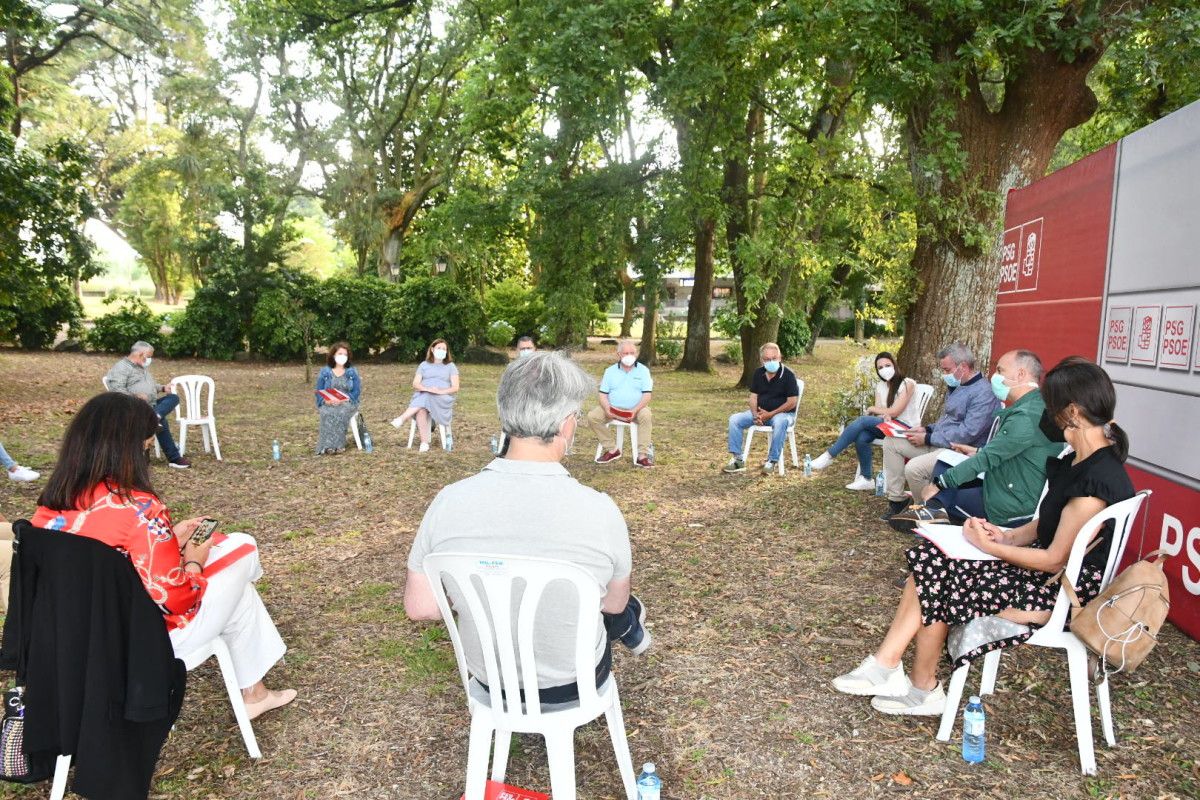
232	609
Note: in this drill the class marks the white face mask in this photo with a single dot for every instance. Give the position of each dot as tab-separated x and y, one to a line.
629	361
887	373
439	354
340	359
146	363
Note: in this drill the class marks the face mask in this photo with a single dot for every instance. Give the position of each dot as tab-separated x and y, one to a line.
1000	388
439	354
771	366
1050	430
146	363
340	359
887	373
524	353
950	380
629	361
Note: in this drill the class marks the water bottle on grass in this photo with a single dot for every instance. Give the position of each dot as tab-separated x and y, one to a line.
807	465
368	445
649	785
880	490
974	722
276	450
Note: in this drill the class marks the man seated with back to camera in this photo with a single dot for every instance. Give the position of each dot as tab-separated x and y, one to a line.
527	504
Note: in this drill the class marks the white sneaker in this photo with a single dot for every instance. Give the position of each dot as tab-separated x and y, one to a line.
822	461
914	703
424	448
872	678
398	423
861	484
768	467
19	473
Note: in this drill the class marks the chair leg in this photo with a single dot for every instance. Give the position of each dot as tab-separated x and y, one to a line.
792	440
953	698
991	666
500	755
1105	703
1081	705
62	766
412	431
633	442
204	436
225	661
747	436
616	731
216	445
560	752
182	439
477	755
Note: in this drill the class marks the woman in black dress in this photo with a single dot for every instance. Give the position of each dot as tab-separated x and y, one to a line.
1080	401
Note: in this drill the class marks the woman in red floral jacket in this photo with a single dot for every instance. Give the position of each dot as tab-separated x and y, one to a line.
101	488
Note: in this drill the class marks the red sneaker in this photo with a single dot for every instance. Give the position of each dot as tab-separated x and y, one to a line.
645	461
611	455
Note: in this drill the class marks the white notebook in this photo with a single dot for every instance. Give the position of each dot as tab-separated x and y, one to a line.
950	540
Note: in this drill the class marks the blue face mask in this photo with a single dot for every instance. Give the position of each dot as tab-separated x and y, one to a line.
950	380
1000	388
771	366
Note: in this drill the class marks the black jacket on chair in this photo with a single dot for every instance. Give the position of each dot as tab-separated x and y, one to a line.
102	681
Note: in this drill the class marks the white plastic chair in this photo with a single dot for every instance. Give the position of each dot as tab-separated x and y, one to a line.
412	432
157	448
791	432
922	394
218	648
192	393
1055	634
354	432
488	586
621	425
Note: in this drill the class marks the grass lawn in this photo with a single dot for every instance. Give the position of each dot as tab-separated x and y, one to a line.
759	590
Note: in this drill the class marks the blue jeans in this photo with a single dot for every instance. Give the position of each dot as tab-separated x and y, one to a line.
739	422
6	460
165	405
959	501
862	432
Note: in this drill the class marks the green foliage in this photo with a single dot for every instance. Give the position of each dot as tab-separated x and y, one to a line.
432	308
727	323
43	204
733	351
794	335
210	327
668	350
132	321
500	333
514	303
355	310
276	332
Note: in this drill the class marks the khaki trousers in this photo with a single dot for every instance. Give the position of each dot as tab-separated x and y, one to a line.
918	472
6	543
598	422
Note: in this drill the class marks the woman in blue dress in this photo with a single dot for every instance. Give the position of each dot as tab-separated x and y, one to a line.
436	384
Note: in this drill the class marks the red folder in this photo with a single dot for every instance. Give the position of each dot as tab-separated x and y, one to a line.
333	395
502	791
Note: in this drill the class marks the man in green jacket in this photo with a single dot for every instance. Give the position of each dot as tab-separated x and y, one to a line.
1013	462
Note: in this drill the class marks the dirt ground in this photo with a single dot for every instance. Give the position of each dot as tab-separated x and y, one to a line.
759	590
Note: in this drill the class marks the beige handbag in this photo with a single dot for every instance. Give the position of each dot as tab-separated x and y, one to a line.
1120	625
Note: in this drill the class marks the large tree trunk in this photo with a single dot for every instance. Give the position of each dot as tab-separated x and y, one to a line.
696	348
647	352
1004	149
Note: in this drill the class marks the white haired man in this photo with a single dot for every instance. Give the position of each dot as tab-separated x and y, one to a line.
527	504
131	375
625	393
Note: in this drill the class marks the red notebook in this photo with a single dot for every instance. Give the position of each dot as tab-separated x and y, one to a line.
333	395
502	791
624	414
893	427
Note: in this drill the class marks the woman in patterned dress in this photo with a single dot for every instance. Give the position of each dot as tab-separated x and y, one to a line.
101	488
941	592
335	415
436	384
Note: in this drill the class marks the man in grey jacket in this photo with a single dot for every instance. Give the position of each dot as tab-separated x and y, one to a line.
131	375
966	418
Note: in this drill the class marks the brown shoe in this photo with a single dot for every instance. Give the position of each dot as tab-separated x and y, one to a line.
611	455
645	461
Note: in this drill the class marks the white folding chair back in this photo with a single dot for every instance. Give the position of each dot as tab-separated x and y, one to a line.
412	432
621	425
791	432
195	409
157	447
354	432
921	396
502	594
1056	635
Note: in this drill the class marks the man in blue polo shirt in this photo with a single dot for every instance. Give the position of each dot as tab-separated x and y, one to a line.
624	396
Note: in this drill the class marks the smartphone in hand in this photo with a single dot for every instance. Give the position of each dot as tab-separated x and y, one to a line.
203	532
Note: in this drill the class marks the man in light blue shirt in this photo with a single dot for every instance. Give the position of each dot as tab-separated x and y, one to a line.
624	397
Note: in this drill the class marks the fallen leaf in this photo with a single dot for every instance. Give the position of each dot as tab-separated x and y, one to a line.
902	778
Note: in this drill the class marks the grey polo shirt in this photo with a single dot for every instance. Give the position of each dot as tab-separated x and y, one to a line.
529	508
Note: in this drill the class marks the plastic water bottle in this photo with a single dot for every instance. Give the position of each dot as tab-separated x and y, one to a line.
807	465
368	445
276	450
880	488
649	785
495	445
448	442
974	722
